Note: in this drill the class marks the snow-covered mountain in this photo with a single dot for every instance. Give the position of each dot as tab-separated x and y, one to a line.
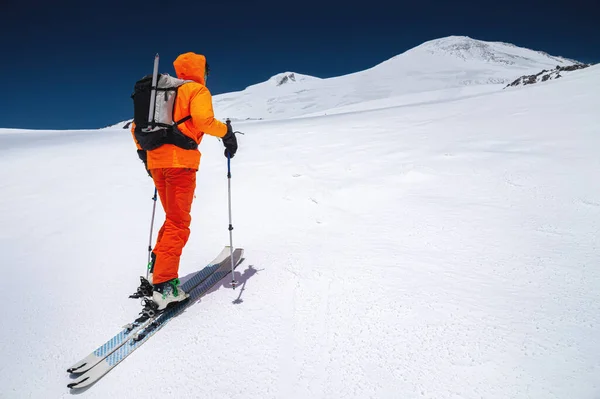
455	64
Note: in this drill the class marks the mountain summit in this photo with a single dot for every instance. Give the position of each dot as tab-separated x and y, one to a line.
468	49
290	77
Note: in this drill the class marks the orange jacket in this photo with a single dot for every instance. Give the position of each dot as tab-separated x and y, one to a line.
192	99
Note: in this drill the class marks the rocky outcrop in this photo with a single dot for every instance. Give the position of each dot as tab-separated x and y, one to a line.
286	78
546	75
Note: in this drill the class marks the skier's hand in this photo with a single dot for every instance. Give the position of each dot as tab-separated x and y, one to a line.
229	141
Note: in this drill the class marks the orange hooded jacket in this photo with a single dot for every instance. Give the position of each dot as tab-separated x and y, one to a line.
193	99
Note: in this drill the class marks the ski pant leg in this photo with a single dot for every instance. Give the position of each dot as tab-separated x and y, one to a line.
176	188
158	175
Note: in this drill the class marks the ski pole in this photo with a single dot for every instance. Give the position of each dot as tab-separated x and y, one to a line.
151	228
233	282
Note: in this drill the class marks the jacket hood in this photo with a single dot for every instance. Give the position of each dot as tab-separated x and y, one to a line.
191	66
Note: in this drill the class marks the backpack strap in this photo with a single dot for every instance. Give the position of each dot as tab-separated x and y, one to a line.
185	119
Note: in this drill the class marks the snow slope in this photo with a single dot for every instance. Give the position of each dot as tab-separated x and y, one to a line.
445	250
448	63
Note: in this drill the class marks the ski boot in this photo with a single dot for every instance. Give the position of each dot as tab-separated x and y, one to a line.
167	293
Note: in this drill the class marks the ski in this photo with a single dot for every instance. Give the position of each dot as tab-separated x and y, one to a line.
135	340
129	330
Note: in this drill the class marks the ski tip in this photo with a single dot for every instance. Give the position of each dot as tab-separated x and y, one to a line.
75	368
75	384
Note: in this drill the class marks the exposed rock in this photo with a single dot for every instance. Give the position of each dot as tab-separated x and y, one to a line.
546	75
286	78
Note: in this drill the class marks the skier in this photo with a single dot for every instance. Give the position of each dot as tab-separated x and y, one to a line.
173	170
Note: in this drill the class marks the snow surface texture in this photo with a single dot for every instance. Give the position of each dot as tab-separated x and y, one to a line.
448	63
446	250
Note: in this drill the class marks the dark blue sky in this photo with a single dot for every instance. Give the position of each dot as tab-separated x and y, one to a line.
72	64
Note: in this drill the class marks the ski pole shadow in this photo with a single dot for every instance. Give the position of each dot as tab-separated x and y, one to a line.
240	278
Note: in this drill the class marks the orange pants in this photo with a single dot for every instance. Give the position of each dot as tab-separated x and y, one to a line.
176	188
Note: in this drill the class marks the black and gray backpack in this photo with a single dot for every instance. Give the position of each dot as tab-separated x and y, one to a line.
153	112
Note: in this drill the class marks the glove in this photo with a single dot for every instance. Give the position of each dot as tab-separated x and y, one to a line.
229	141
144	157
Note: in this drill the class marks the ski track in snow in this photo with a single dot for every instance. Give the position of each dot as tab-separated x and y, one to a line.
446	250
